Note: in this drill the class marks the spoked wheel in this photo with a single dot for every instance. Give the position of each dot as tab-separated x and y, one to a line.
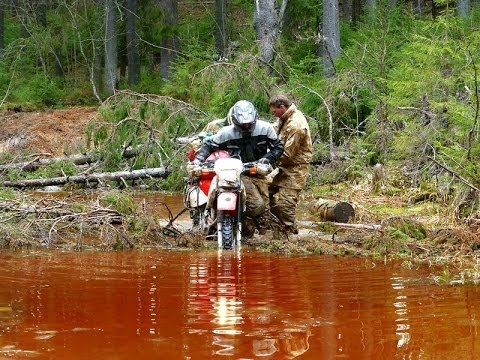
227	232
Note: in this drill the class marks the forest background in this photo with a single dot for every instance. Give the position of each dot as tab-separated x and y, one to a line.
388	82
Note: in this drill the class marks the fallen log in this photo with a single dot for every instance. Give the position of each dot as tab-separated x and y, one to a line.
77	159
331	210
90	178
344	225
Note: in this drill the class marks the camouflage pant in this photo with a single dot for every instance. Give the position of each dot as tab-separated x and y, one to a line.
283	204
285	191
256	205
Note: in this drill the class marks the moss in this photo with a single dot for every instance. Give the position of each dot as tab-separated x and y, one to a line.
8	194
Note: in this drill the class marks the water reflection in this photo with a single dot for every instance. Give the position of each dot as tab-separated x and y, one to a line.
204	305
400	305
238	308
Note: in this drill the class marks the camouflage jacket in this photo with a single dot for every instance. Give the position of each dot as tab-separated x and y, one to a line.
294	133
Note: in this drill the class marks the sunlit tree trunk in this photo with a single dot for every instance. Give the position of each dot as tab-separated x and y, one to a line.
110	70
331	36
370	6
221	30
418	7
267	22
463	8
133	56
168	51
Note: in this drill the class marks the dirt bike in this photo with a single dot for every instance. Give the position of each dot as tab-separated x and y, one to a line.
225	203
197	186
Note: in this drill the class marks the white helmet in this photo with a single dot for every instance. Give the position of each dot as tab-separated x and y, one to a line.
244	116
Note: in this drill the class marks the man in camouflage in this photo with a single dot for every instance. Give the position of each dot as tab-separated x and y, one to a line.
294	164
208	131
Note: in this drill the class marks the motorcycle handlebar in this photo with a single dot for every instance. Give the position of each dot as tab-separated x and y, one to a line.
249	168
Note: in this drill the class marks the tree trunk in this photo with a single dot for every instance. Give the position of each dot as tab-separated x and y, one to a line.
110	74
221	30
267	22
22	13
41	13
90	178
2	34
356	11
40	8
133	56
331	36
419	8
435	11
77	159
169	41
336	211
463	8
370	6
347	10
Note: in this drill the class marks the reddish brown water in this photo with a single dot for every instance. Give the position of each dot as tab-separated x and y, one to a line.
205	305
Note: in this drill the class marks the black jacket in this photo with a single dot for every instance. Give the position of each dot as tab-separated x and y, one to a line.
262	143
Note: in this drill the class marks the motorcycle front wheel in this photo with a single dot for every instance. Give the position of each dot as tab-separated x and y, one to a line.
227	232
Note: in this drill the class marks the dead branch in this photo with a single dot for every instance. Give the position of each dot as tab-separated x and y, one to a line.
344	225
414	109
459	177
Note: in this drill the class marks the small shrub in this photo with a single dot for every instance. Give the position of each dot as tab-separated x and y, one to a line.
119	201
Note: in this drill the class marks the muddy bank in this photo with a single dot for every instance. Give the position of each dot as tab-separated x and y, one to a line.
114	219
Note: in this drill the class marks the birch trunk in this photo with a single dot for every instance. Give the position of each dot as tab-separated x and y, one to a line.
267	22
89	178
336	211
331	36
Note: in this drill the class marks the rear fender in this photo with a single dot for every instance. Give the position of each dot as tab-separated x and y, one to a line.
227	201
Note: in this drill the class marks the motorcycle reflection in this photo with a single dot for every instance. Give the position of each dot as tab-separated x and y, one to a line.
229	314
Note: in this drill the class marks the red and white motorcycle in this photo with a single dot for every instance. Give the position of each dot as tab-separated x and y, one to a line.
197	187
220	209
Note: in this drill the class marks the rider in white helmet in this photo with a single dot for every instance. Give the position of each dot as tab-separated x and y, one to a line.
248	139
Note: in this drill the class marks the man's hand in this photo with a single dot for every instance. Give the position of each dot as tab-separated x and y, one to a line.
264	161
193	167
263	167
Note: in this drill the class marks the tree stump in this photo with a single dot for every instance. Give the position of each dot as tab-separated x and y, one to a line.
336	211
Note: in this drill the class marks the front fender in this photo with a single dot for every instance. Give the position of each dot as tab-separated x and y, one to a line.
227	201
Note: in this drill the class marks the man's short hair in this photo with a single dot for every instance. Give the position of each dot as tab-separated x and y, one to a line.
278	100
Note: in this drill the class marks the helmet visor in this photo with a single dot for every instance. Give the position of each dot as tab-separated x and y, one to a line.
247	126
